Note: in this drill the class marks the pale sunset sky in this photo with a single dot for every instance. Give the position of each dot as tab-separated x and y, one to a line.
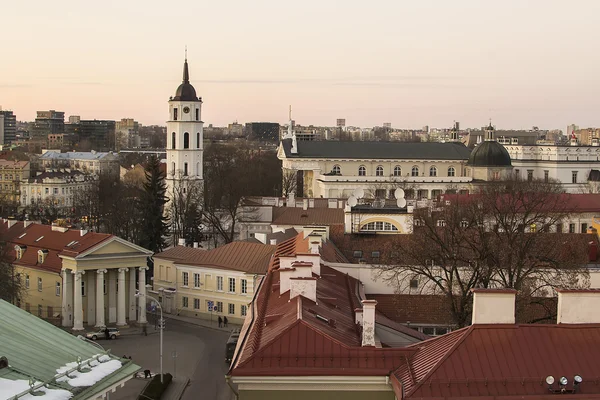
411	63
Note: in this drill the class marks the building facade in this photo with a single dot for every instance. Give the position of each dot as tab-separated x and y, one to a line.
92	162
184	134
57	187
8	127
48	122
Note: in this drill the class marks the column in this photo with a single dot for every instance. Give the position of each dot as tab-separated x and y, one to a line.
100	298
142	298
121	298
66	300
132	308
91	298
112	295
77	301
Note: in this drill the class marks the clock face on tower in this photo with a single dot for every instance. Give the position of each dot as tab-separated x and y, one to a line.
186	110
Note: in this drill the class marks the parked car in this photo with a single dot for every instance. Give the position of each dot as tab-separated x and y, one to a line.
113	333
231	345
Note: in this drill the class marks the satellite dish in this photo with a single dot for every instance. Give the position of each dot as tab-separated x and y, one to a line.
401	202
352	201
359	193
399	193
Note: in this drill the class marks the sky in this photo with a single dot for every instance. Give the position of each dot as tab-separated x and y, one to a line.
522	63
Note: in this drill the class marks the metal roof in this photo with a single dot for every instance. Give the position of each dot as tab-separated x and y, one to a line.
377	150
75	155
36	349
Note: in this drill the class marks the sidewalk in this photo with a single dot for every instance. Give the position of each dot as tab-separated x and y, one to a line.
137	330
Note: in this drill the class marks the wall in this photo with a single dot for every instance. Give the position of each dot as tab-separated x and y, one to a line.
47	297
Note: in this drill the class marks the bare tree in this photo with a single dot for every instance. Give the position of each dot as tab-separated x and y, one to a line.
504	236
185	209
289	182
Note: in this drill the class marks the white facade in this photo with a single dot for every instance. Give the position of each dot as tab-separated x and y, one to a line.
58	187
184	137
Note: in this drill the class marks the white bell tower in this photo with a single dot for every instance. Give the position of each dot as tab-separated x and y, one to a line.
184	134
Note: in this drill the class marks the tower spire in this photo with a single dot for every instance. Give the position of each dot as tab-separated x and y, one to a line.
186	73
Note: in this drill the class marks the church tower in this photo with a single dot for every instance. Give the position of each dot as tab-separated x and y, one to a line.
184	134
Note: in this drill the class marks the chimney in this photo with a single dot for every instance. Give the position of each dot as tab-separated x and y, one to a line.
27	223
305	204
368	322
291	202
11	222
578	306
296	270
314	246
273	242
83	232
305	287
358	316
196	245
181	242
493	306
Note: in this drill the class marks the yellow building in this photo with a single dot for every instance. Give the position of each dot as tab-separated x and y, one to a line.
11	174
210	283
75	277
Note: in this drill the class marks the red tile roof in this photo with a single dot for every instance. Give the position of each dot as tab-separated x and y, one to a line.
502	361
311	216
248	257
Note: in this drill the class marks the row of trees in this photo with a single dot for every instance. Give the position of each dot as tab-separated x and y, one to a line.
506	236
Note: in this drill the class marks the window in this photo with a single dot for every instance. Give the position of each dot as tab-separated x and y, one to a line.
219	306
244	285
529	175
571	228
175	114
57	289
197	114
83	287
336	170
357	253
414	171
197	169
40	284
185	278
378	226
39	310
559	228
362	171
220	283
414	283
186	140
380	193
433	171
173	140
574	177
584	227
184	302
244	310
196	280
397	171
379	170
197	138
185	169
464	224
451	171
375	254
546	175
47	191
196	304
231	308
440	222
231	285
517	174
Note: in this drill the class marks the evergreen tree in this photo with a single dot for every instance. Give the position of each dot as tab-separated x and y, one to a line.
154	225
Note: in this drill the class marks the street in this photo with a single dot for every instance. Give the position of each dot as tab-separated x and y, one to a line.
200	355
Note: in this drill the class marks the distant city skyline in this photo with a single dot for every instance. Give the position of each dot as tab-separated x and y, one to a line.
412	64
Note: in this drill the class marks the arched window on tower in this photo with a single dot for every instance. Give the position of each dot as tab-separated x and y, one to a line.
197	169
175	114
173	140
186	140
197	140
185	169
197	114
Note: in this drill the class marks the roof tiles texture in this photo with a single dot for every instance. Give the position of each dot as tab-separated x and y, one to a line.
310	216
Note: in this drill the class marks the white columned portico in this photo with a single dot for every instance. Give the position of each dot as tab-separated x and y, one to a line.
132	279
121	317
67	290
90	286
100	298
142	298
112	295
77	301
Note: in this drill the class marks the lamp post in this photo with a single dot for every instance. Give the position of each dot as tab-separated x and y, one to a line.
160	327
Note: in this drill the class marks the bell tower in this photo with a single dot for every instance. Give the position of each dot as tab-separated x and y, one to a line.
184	134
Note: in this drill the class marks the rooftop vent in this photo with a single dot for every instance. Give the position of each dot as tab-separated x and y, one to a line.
322	318
3	362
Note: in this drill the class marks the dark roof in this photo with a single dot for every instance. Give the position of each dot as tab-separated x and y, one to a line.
489	154
377	150
185	91
310	216
502	361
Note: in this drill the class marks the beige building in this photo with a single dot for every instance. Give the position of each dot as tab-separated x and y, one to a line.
59	187
210	283
12	173
92	162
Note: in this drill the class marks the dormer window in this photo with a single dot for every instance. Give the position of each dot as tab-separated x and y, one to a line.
42	256
20	250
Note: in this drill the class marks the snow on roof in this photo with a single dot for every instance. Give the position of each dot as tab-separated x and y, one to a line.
93	370
9	388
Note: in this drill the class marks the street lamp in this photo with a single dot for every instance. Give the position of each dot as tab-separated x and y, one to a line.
160	327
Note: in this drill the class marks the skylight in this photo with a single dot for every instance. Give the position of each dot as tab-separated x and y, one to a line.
38	239
23	235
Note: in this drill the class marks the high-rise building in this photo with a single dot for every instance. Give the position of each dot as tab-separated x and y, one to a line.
74	119
8	126
184	135
127	133
100	134
341	122
387	125
263	131
48	122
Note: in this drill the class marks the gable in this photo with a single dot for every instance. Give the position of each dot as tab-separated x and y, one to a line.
115	246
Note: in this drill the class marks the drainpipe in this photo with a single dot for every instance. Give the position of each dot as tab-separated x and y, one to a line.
228	380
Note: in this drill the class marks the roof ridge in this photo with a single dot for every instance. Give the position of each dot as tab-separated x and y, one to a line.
441	360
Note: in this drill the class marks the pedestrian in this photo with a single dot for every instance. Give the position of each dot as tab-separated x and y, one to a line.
130	357
225	321
220	321
106	333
